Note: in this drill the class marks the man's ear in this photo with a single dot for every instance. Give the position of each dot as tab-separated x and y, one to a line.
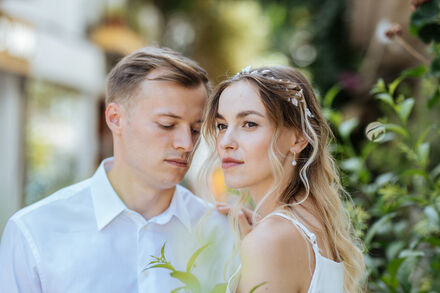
113	116
298	142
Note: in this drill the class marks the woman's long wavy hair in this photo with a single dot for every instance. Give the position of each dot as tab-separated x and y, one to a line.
316	175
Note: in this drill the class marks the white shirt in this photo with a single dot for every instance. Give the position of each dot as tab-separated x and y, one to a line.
84	239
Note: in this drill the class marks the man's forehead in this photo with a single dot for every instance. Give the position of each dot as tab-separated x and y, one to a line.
171	107
163	112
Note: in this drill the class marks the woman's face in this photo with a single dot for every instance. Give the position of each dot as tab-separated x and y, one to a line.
244	136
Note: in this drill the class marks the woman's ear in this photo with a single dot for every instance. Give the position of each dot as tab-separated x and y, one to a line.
113	118
298	142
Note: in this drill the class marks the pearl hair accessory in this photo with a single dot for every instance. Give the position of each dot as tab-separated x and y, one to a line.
298	97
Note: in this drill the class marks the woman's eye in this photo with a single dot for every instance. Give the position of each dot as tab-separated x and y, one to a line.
195	131
221	126
249	124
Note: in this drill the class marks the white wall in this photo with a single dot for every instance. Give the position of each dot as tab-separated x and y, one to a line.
70	17
63	55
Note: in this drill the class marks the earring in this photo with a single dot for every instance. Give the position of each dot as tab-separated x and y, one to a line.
294	157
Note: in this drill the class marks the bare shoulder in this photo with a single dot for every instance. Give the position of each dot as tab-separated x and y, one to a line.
276	252
274	232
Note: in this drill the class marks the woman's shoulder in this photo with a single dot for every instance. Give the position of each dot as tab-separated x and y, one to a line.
275	251
275	232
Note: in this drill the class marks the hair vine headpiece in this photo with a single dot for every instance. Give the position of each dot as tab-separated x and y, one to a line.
295	100
244	71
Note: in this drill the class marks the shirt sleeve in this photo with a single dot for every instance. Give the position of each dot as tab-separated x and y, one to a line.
18	265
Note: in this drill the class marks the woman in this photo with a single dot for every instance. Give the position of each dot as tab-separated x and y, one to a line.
272	140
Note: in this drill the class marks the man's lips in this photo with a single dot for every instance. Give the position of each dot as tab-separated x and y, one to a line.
177	162
230	162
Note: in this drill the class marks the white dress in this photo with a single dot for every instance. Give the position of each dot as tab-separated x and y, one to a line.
328	276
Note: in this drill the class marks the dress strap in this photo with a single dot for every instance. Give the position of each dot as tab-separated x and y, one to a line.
311	236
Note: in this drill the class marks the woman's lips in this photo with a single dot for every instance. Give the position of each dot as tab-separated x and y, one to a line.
229	163
177	162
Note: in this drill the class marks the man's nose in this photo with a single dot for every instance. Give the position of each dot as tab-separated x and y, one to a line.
184	139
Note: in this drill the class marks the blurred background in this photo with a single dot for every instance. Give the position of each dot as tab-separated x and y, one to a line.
54	57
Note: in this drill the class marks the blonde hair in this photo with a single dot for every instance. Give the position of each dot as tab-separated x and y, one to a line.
317	176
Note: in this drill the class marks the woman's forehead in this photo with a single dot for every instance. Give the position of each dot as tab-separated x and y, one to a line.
240	96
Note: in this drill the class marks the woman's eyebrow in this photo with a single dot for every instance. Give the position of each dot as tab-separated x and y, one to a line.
241	114
250	112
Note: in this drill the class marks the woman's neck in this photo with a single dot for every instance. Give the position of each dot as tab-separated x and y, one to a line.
266	198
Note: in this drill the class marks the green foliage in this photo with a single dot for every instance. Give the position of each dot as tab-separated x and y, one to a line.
396	187
425	22
190	281
395	181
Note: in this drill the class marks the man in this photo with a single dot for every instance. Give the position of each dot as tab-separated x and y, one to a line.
101	234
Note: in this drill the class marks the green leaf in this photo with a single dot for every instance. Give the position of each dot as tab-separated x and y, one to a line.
188	279
425	21
418	71
411	253
396	129
256	287
352	164
178	289
331	95
392	87
393	249
436	171
422	136
425	14
220	288
404	109
392	268
435	98
376	226
162	250
432	215
434	241
335	118
346	127
406	270
413	172
386	98
423	153
167	266
379	87
430	32
194	257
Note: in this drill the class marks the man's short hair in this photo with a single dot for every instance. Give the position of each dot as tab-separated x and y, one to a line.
124	79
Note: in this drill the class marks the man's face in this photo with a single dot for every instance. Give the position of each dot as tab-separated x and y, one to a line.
160	131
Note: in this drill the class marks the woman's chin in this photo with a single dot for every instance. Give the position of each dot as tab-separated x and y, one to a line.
235	184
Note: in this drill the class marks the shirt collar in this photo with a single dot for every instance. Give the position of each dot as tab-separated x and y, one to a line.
106	202
108	205
178	208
